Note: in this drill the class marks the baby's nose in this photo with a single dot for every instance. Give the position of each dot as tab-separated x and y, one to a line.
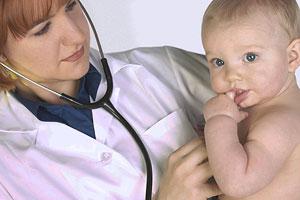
233	74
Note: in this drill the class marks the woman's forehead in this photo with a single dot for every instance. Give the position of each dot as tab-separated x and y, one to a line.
22	15
43	8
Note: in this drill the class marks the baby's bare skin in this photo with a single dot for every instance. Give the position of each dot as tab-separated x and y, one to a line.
252	125
252	130
285	185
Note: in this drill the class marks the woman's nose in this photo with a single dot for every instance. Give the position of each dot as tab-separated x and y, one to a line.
72	34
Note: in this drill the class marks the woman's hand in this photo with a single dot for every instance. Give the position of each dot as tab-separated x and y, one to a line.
187	174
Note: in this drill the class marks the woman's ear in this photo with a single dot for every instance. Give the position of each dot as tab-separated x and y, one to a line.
293	52
3	58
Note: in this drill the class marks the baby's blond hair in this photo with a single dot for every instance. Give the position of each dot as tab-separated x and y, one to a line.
286	12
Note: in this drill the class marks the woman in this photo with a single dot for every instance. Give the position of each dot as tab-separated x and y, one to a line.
50	150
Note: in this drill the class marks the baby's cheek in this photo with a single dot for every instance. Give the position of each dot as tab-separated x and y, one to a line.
218	87
266	87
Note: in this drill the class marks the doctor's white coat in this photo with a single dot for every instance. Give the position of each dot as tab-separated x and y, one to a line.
160	91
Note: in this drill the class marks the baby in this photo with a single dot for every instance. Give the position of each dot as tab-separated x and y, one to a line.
252	129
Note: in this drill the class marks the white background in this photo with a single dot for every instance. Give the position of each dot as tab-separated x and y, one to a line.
126	24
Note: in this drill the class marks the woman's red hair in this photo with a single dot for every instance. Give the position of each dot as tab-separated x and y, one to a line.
17	17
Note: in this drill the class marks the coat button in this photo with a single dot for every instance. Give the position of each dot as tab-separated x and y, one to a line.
106	157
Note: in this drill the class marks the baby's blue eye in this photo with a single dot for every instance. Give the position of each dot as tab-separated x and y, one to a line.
218	62
250	57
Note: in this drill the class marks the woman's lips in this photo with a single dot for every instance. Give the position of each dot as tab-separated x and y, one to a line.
74	57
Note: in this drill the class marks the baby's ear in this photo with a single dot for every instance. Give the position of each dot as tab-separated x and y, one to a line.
293	51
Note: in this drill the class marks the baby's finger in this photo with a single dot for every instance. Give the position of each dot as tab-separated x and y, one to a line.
243	115
230	94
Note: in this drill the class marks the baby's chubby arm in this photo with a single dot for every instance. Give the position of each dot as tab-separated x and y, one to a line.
241	170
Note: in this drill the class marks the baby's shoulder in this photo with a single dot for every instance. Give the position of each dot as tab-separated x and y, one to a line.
282	114
277	121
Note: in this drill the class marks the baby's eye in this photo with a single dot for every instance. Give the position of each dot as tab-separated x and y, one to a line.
217	62
250	57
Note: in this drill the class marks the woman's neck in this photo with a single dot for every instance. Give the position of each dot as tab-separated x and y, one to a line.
35	93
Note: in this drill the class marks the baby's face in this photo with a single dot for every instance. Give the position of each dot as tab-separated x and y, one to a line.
248	58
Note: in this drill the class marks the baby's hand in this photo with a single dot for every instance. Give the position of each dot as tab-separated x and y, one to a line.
223	105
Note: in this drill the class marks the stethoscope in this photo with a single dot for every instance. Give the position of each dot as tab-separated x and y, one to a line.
104	103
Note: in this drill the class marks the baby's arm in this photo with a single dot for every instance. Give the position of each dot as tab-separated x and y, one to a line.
241	170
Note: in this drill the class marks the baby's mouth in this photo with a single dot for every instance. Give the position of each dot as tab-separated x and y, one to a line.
240	96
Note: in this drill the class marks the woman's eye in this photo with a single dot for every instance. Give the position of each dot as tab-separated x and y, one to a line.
44	30
217	62
70	6
250	57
